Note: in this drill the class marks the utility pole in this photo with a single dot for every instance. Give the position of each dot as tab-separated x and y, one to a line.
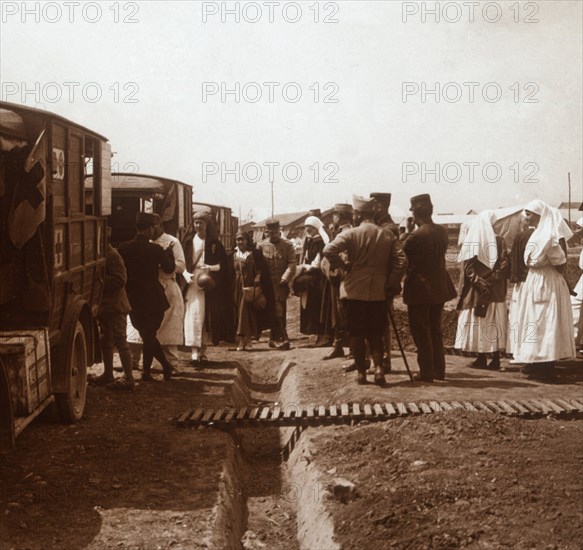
272	201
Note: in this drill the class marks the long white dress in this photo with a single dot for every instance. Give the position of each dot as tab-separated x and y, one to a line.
195	301
542	327
171	331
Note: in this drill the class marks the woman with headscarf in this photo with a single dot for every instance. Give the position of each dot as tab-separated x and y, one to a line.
203	294
250	271
482	320
544	320
309	280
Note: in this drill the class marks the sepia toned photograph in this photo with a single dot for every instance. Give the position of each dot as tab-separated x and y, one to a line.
282	275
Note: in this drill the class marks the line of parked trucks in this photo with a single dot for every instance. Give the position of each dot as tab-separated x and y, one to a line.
57	196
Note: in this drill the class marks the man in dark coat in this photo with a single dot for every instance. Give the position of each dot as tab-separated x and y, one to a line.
427	287
382	217
372	275
385	222
146	295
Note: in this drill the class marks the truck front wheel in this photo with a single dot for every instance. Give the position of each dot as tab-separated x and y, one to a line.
72	403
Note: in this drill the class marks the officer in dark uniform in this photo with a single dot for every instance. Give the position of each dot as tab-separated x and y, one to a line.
146	295
280	258
427	287
333	313
382	217
385	222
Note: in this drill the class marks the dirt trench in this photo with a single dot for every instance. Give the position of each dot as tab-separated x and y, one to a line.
269	496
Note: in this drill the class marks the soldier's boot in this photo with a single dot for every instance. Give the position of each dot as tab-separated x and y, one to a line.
125	357
107	376
357	345
379	375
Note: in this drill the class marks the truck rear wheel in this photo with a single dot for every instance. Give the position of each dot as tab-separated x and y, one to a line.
72	403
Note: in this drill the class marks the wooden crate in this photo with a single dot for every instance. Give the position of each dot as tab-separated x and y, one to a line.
26	357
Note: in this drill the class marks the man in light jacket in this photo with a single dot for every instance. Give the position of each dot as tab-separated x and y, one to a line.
374	267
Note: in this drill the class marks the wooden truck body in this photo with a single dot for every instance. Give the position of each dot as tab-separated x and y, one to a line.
55	195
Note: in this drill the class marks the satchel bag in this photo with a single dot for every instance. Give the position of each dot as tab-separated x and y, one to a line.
253	294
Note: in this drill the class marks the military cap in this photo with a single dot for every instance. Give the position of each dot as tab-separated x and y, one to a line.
343	208
315	212
145	218
272	224
381	197
363	205
420	201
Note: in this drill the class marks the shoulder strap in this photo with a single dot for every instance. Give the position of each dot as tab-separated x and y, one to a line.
196	260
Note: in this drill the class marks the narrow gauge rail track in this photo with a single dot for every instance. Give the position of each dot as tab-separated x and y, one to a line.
280	415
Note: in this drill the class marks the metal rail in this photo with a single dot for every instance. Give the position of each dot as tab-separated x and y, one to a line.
316	415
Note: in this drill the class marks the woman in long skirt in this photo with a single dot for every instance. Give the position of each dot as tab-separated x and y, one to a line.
310	276
247	275
482	320
544	318
198	297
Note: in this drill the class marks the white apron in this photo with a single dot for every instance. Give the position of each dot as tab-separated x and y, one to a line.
483	334
171	331
543	322
195	301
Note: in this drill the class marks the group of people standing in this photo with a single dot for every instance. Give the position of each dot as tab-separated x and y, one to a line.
346	279
538	328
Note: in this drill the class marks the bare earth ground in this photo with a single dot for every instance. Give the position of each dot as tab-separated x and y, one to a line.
127	477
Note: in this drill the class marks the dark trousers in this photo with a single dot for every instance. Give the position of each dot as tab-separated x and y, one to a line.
148	324
339	320
279	330
425	326
113	327
366	322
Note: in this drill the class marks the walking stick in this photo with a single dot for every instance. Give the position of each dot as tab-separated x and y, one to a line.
394	325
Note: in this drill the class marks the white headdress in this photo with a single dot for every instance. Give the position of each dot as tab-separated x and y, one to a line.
480	241
551	228
316	223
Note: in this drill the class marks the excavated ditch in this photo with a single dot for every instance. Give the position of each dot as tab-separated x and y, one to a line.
263	500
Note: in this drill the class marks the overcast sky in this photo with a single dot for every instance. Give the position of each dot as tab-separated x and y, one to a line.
363	122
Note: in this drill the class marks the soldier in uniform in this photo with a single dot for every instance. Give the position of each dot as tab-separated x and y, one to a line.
280	257
385	222
382	217
427	287
143	259
112	318
333	314
372	257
